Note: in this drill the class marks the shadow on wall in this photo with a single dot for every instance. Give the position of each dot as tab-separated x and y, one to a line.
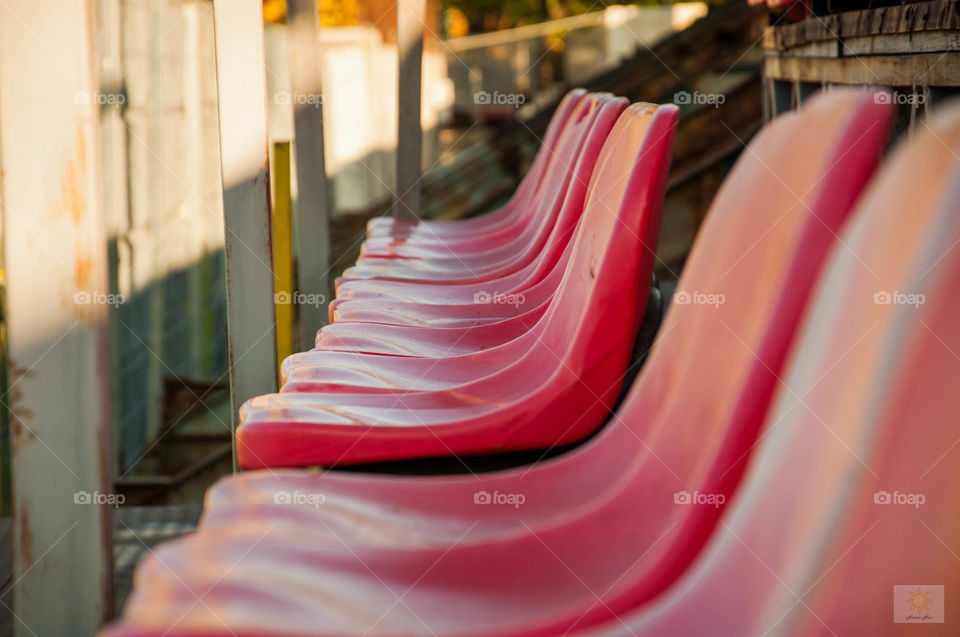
168	340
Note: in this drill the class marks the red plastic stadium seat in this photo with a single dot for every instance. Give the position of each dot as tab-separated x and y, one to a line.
860	462
555	384
412	230
407	303
776	270
444	331
548	219
419	241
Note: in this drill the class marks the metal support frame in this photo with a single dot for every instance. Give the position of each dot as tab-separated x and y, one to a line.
410	16
312	206
58	301
245	169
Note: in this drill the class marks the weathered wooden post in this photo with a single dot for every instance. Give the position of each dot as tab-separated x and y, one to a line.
244	164
55	250
312	208
410	17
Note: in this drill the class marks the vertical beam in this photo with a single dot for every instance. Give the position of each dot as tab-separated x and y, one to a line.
245	166
312	208
283	250
410	16
58	299
782	95
766	98
108	35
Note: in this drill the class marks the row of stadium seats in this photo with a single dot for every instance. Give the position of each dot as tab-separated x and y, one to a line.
783	464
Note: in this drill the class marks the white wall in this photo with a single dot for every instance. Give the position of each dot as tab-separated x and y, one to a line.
359	79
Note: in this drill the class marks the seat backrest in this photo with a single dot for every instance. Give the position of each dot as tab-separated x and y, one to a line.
871	402
546	197
615	239
865	421
563	190
625	194
754	261
545	257
545	155
698	404
522	198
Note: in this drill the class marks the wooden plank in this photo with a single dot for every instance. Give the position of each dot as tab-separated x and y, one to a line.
937	15
282	250
245	167
901	43
312	207
819	48
59	305
890	70
410	16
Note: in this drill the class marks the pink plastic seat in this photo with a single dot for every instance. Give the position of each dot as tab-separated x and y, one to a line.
412	303
413	511
521	281
488	307
265	577
829	518
552	385
747	340
424	341
389	227
426	292
556	212
513	312
564	157
421	242
490	303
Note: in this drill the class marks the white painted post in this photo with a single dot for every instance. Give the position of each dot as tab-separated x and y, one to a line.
312	208
55	251
410	17
244	164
